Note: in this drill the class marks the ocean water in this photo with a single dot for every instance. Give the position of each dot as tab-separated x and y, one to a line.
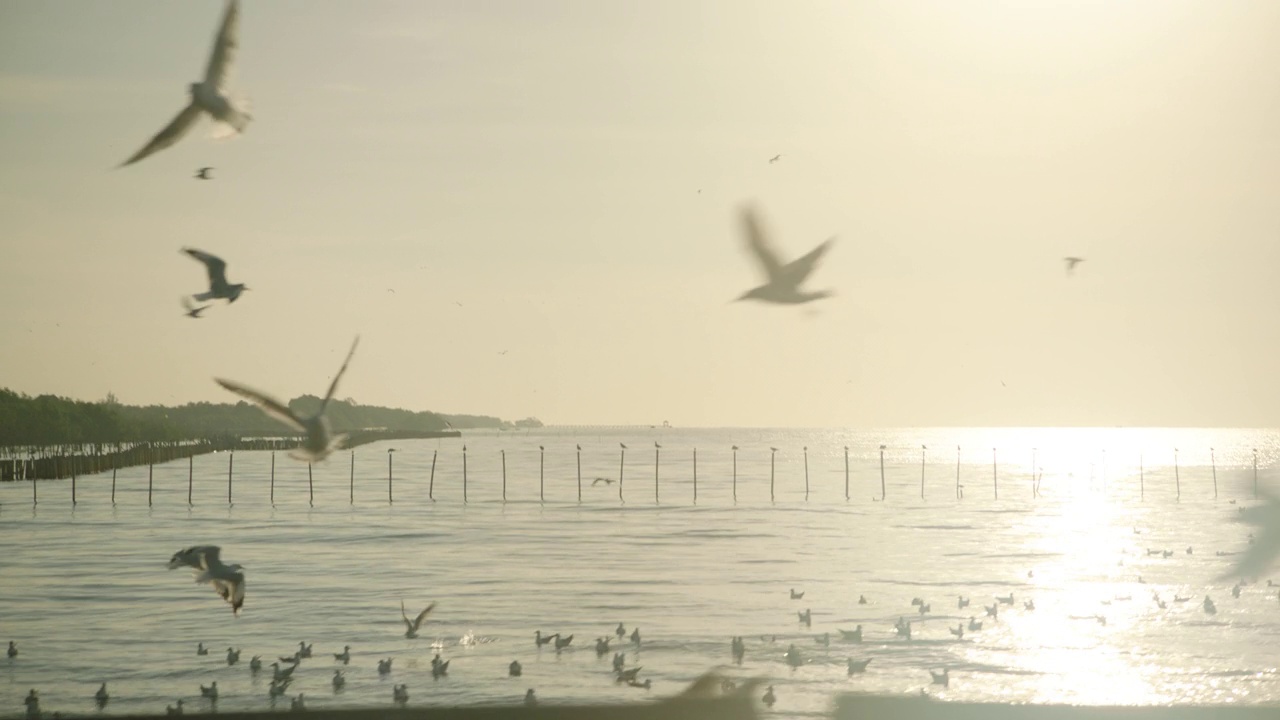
85	593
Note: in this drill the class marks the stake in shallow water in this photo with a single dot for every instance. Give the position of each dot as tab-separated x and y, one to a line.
113	480
656	450
622	457
73	481
923	450
311	490
959	487
231	458
190	473
773	451
846	473
1213	463
273	477
806	473
695	476
151	470
882	486
431	486
390	499
542	455
579	446
1176	478
735	474
1035	488
504	475
1142	485
352	481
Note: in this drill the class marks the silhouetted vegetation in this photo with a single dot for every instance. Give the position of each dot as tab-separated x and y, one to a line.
51	420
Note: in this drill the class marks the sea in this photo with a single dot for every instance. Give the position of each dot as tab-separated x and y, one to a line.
1109	540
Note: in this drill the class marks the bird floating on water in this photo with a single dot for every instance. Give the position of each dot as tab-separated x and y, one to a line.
320	440
344	656
201	649
101	696
219	288
13	649
797	595
338	680
209	95
384	666
514	669
400	694
858	666
233	656
530	698
783	281
210	692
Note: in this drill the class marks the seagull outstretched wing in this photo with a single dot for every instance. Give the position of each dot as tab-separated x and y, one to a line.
171	134
759	245
333	387
224	47
414	624
216	266
797	270
269	405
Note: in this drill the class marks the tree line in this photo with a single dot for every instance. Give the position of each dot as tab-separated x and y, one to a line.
51	420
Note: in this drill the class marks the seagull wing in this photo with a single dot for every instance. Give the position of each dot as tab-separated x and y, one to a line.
171	134
334	385
758	244
269	405
417	622
224	47
210	555
797	270
407	623
216	266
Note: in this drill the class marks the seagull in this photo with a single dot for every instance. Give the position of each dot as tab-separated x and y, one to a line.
629	674
783	286
623	445
943	678
1262	551
1071	263
620	631
219	288
384	666
852	635
297	704
203	173
797	595
344	656
606	481
278	687
174	709
539	639
210	692
208	96
304	650
320	441
411	626
530	698
101	696
514	669
400	694
775	159
255	664
338	680
233	656
13	649
201	649
562	642
227	580
769	698
858	666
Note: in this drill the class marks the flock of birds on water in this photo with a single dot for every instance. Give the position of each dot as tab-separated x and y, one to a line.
212	97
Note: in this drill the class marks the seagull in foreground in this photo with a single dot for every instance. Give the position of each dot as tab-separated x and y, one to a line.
227	580
203	173
783	286
219	288
1262	551
193	311
209	95
320	441
411	626
1071	263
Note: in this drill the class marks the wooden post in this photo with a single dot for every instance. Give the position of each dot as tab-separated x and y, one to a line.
995	479
1142	487
806	473
353	477
735	474
113	479
883	493
846	473
922	452
1035	486
73	479
311	488
656	449
190	474
959	490
35	479
504	475
150	477
273	478
622	457
695	476
1255	473
390	498
231	459
431	486
1176	478
542	454
772	454
579	473
464	474
1214	464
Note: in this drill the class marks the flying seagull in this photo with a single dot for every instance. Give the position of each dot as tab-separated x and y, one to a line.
1262	551
209	95
227	580
219	288
203	173
192	310
1071	263
783	284
320	441
411	626
775	159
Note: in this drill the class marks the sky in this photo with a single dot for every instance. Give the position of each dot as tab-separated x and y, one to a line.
530	209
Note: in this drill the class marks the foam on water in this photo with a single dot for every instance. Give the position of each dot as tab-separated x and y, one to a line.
85	592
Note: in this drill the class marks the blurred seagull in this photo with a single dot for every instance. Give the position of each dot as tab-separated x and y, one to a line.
193	311
775	159
203	173
219	288
227	580
1071	263
320	441
411	626
1263	550
208	96
783	286
190	557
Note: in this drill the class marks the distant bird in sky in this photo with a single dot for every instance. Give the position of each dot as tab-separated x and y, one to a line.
320	440
219	288
1263	549
411	627
209	95
775	159
1072	262
203	173
783	286
192	310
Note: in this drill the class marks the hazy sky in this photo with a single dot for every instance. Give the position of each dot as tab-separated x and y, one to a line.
452	180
